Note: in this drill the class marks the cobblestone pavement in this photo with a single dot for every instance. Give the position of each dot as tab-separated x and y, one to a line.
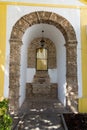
41	115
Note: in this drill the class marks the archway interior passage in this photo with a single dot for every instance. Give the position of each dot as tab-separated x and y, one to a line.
57	71
19	29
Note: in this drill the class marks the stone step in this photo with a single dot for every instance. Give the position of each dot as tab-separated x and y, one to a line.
41	90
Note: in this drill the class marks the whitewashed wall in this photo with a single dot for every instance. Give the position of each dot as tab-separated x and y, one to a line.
18	11
30	72
23	66
61	69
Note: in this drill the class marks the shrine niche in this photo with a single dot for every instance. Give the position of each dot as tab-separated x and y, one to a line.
51	53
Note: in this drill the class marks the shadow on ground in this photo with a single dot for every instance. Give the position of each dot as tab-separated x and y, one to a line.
40	115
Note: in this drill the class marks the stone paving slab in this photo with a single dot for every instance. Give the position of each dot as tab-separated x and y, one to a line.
38	114
43	105
47	121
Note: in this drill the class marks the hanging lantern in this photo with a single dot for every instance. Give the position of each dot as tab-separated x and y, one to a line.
42	42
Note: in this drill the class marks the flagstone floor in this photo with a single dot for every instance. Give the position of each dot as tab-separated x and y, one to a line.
43	105
40	114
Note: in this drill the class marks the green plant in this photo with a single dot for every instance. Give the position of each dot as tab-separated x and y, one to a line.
5	118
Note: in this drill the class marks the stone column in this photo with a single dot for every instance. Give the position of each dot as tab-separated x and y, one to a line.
14	74
71	75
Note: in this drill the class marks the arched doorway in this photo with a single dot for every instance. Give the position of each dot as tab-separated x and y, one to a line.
71	54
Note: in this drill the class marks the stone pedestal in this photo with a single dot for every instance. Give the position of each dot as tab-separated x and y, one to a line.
33	92
41	86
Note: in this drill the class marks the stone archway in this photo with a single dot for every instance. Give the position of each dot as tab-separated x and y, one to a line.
71	54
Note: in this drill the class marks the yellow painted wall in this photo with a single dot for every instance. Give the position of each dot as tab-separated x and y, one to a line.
40	4
2	46
83	1
83	100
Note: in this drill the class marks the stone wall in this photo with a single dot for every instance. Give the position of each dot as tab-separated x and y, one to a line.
14	75
71	77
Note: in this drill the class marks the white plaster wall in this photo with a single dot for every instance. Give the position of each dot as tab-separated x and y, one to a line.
79	65
23	66
18	11
30	74
53	75
6	69
61	70
65	2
